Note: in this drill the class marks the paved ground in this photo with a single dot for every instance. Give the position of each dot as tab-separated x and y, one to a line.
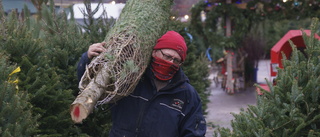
222	104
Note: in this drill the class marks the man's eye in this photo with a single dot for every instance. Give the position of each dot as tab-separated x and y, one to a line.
176	61
168	57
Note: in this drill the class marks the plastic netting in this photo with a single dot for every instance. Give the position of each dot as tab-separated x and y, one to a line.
123	64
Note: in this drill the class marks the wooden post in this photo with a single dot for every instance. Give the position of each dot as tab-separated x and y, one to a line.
228	22
229	85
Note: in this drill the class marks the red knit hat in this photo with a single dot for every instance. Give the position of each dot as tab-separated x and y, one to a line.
173	40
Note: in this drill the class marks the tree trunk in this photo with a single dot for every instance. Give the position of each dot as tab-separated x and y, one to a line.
115	73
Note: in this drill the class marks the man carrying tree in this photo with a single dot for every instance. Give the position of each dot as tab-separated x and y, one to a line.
163	104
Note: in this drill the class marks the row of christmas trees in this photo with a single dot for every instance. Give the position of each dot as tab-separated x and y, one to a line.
291	107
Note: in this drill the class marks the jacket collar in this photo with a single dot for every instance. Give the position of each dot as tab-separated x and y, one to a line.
178	79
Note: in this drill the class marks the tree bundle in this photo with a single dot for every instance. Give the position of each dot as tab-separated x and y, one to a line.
115	73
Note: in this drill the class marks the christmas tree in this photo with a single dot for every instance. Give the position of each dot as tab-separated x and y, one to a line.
16	117
291	108
46	78
114	74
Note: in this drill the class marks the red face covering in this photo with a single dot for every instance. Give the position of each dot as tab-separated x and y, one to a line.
162	69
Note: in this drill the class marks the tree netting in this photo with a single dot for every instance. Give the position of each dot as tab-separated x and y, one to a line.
118	76
115	73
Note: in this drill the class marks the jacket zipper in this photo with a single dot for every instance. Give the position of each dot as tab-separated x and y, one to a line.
141	113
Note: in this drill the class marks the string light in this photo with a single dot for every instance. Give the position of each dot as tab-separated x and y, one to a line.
186	17
203	16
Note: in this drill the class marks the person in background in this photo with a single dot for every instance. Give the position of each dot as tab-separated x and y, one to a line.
163	104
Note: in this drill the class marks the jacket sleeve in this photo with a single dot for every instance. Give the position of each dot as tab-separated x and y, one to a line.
81	68
194	124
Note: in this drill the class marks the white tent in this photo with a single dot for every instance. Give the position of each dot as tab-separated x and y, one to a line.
112	10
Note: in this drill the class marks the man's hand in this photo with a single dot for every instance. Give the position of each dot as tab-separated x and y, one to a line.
96	49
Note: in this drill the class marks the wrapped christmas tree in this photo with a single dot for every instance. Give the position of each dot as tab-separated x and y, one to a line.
115	73
291	108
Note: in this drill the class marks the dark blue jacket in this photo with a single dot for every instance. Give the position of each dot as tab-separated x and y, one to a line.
174	111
